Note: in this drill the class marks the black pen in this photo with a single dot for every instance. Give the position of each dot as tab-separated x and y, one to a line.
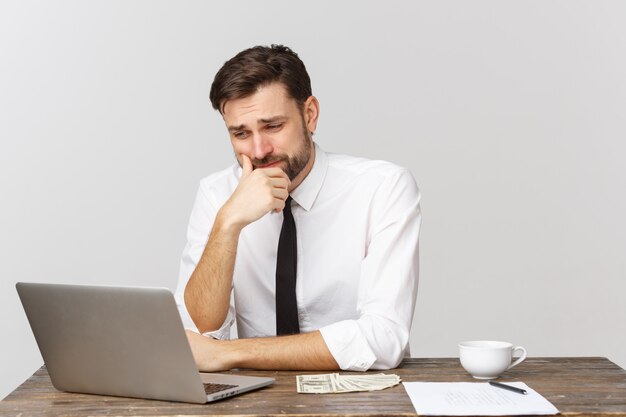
508	387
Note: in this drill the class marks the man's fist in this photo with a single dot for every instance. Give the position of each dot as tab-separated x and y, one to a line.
259	191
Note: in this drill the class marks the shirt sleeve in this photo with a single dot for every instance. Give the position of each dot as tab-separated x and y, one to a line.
200	225
379	338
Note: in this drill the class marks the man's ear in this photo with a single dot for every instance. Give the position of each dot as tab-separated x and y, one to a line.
311	111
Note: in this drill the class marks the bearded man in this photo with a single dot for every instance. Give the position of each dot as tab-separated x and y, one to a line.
314	255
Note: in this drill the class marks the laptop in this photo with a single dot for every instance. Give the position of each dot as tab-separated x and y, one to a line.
121	341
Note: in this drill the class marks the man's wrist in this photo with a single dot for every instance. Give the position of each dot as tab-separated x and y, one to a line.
225	222
236	353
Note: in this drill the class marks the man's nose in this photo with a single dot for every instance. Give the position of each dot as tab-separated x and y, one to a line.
261	146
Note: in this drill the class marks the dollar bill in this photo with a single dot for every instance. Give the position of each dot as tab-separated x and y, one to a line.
337	383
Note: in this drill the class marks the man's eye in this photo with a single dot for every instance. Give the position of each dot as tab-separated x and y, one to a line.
274	126
241	135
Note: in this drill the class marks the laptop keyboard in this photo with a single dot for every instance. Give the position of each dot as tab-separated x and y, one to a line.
213	388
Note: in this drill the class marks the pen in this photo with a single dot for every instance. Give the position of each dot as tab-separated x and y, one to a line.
508	387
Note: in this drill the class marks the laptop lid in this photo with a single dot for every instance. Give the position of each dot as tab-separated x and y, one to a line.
120	341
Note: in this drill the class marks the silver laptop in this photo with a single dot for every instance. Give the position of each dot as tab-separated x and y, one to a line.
121	341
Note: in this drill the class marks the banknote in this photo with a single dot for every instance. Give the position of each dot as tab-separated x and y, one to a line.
337	383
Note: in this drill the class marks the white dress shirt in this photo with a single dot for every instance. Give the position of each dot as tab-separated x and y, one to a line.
357	224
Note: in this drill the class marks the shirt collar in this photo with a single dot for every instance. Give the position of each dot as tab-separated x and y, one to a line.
306	193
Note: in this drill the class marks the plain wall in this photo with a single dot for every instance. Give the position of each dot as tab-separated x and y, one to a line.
510	114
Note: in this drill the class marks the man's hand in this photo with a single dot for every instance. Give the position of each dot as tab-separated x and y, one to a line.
259	191
208	353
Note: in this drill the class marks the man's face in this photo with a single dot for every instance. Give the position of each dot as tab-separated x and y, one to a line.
270	129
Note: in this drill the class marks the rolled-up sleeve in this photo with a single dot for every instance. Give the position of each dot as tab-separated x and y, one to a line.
379	338
200	225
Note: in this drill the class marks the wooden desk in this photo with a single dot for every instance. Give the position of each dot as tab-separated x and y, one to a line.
576	386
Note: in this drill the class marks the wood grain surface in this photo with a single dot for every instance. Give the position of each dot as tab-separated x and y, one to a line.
576	386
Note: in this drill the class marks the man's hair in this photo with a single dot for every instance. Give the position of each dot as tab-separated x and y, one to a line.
243	74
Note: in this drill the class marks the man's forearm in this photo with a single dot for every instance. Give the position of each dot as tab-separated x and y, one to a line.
304	352
207	294
297	352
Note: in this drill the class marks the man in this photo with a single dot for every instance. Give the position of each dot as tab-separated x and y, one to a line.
315	255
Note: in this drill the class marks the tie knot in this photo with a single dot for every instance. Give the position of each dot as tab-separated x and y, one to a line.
288	204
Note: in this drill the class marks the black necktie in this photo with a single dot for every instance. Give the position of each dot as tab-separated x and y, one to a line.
286	267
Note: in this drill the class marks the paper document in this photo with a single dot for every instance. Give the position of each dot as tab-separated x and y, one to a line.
475	399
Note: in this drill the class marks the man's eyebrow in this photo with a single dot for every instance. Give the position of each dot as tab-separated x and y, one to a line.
235	128
272	119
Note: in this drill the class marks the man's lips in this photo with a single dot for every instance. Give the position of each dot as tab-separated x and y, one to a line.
270	165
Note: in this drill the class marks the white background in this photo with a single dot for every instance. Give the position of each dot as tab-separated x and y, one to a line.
510	115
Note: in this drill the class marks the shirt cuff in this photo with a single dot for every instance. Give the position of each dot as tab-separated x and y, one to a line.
348	346
223	333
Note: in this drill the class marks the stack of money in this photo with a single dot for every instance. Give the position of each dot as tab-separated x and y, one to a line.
335	383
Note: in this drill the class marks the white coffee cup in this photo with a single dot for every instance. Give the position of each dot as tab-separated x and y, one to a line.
486	359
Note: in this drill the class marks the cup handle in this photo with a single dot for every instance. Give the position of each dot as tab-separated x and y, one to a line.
520	359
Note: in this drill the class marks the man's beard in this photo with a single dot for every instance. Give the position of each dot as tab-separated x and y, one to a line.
294	164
